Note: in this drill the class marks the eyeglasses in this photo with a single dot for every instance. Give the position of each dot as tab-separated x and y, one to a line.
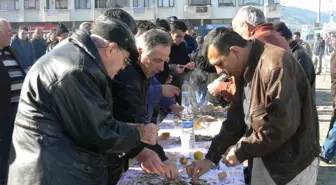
127	60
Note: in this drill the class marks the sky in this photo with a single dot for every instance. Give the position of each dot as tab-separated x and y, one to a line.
326	5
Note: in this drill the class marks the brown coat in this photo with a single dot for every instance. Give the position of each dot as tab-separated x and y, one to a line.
268	34
265	33
284	129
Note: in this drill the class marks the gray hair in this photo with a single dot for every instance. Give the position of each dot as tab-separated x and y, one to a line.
252	15
152	38
2	24
99	41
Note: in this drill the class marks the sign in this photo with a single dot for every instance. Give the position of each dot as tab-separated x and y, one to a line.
213	26
44	27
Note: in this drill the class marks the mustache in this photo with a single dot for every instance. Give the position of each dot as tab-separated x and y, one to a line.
223	77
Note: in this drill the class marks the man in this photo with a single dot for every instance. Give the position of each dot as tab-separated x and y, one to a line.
11	79
24	48
190	40
179	59
150	160
64	128
61	34
143	26
39	44
297	37
329	145
158	94
318	52
272	118
250	23
131	87
299	53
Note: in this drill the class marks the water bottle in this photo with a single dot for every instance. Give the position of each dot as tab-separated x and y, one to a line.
188	135
185	94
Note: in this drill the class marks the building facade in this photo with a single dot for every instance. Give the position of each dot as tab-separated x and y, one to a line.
45	13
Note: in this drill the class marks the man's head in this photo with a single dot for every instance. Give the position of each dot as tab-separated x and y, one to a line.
115	41
296	35
62	32
143	26
247	19
154	49
227	51
5	33
318	36
162	23
190	31
178	30
38	32
121	15
86	26
284	31
23	33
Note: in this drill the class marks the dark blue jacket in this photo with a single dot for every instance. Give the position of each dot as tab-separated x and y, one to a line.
25	52
39	48
191	42
155	97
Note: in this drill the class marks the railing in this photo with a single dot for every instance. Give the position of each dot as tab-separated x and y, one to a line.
199	2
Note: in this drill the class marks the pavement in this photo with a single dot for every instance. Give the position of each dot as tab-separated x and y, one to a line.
327	172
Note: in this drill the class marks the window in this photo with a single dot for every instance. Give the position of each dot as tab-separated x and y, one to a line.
61	4
226	2
112	3
82	4
32	4
199	2
250	2
142	3
9	4
165	3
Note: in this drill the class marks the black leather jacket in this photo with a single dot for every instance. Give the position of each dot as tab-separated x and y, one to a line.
301	55
64	127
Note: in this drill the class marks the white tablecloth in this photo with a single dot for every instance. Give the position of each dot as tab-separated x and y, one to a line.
172	147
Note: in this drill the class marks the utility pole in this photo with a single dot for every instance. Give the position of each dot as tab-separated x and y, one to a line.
154	9
319	13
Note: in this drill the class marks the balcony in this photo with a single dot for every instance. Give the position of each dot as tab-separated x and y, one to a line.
11	15
56	15
199	2
198	12
31	15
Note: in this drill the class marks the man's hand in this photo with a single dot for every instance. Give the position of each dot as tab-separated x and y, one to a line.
171	170
148	133
150	162
176	109
190	65
198	168
180	68
169	79
231	159
170	90
213	87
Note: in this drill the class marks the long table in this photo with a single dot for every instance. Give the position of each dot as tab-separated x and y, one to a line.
172	147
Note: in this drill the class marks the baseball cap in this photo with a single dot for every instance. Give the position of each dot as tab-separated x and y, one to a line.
116	31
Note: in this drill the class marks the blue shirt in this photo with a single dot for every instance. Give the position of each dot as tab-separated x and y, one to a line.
155	97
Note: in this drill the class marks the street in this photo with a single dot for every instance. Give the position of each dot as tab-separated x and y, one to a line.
327	173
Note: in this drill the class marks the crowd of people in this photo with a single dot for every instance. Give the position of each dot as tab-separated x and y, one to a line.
75	109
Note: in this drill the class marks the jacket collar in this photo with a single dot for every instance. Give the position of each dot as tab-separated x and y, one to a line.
257	50
263	27
84	41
